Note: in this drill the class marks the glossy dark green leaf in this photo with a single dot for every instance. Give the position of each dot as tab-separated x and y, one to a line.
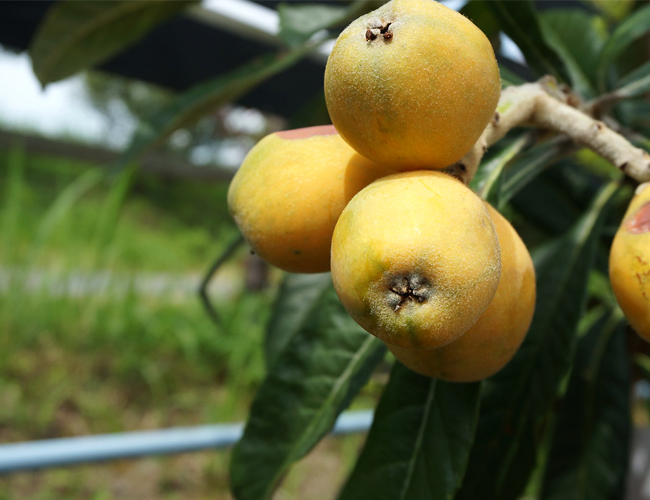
480	14
316	375
487	181
207	96
543	206
298	298
590	449
642	142
298	23
75	35
419	442
520	22
526	168
509	77
577	37
634	84
630	30
557	198
517	399
635	113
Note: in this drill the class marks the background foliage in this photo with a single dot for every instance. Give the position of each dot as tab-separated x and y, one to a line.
555	423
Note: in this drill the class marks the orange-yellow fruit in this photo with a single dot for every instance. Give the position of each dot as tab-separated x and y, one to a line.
629	263
412	84
494	339
415	259
289	192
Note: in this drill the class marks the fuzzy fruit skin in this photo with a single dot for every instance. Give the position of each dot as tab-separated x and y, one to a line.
495	338
429	229
289	192
420	99
629	263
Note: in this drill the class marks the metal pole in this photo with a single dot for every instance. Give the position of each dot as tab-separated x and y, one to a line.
77	450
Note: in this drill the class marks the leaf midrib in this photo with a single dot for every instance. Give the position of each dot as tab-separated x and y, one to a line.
291	455
306	316
417	445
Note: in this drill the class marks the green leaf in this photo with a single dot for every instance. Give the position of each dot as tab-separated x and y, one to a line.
298	298
526	168
107	221
509	78
481	15
12	209
597	165
635	83
643	362
207	96
635	113
613	9
601	290
589	454
578	38
63	204
298	23
630	30
520	22
642	142
487	180
75	35
548	204
517	399
321	369
419	442
559	196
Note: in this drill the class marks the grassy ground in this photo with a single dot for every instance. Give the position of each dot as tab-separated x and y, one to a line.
90	264
102	331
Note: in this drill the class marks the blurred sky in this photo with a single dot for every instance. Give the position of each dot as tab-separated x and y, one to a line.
58	110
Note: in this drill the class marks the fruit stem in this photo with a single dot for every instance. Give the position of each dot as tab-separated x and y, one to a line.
544	104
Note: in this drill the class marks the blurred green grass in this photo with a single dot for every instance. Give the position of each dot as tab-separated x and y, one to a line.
102	329
84	347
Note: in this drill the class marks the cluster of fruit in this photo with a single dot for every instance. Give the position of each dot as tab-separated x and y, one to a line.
417	258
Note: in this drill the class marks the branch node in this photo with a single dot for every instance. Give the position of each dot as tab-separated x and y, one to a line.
548	105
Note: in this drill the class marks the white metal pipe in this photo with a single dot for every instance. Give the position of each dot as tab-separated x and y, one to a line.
78	450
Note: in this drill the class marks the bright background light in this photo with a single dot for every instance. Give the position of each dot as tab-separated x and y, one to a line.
58	110
62	109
